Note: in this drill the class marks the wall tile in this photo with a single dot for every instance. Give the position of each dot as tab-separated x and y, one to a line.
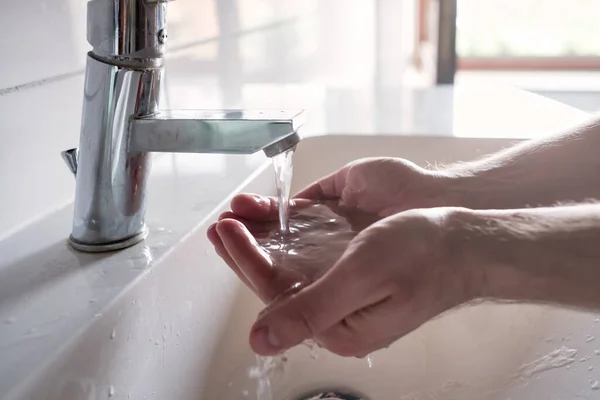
41	39
35	126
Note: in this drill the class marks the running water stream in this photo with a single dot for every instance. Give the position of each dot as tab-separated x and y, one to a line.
267	366
306	243
284	168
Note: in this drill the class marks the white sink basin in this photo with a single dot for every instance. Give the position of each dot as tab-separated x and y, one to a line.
472	353
178	326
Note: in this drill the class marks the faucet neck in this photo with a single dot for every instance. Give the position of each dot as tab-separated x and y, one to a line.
128	32
121	124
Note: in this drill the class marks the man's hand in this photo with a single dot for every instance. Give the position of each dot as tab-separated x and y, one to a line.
394	276
404	270
234	239
364	191
382	187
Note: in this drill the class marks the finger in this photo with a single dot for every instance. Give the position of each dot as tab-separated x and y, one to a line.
364	331
254	207
250	258
255	227
262	208
327	188
214	238
345	289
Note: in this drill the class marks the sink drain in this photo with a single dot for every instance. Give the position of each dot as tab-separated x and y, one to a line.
332	395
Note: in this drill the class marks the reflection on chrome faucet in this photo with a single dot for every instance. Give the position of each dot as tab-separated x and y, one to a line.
122	122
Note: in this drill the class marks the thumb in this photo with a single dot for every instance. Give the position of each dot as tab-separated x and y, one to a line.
348	287
327	188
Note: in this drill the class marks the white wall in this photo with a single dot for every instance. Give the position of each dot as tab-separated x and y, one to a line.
42	58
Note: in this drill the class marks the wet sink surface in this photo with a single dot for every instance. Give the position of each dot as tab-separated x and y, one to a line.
491	351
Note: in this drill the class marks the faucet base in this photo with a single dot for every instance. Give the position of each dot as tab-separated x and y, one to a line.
106	247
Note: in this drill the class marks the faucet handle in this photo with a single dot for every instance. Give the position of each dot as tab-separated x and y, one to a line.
71	158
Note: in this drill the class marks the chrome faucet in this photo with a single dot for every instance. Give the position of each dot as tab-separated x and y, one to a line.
122	122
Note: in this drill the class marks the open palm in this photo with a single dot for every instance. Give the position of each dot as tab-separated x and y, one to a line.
363	192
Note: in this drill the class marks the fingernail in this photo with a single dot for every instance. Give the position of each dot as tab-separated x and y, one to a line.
268	339
210	232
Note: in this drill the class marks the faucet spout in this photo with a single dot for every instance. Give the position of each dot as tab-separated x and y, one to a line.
216	131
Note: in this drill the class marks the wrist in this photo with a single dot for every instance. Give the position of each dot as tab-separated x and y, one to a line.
497	249
445	189
463	189
462	250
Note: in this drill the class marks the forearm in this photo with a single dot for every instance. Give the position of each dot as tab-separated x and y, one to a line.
561	168
548	255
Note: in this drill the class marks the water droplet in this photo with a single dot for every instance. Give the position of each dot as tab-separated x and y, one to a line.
584	359
92	301
129	337
370	360
10	320
591	368
558	358
245	393
111	391
314	349
597	352
595	385
98	315
589	338
597	320
113	334
32	331
230	384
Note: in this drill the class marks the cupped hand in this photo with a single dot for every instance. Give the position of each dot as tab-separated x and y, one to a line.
393	277
364	191
382	187
234	238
